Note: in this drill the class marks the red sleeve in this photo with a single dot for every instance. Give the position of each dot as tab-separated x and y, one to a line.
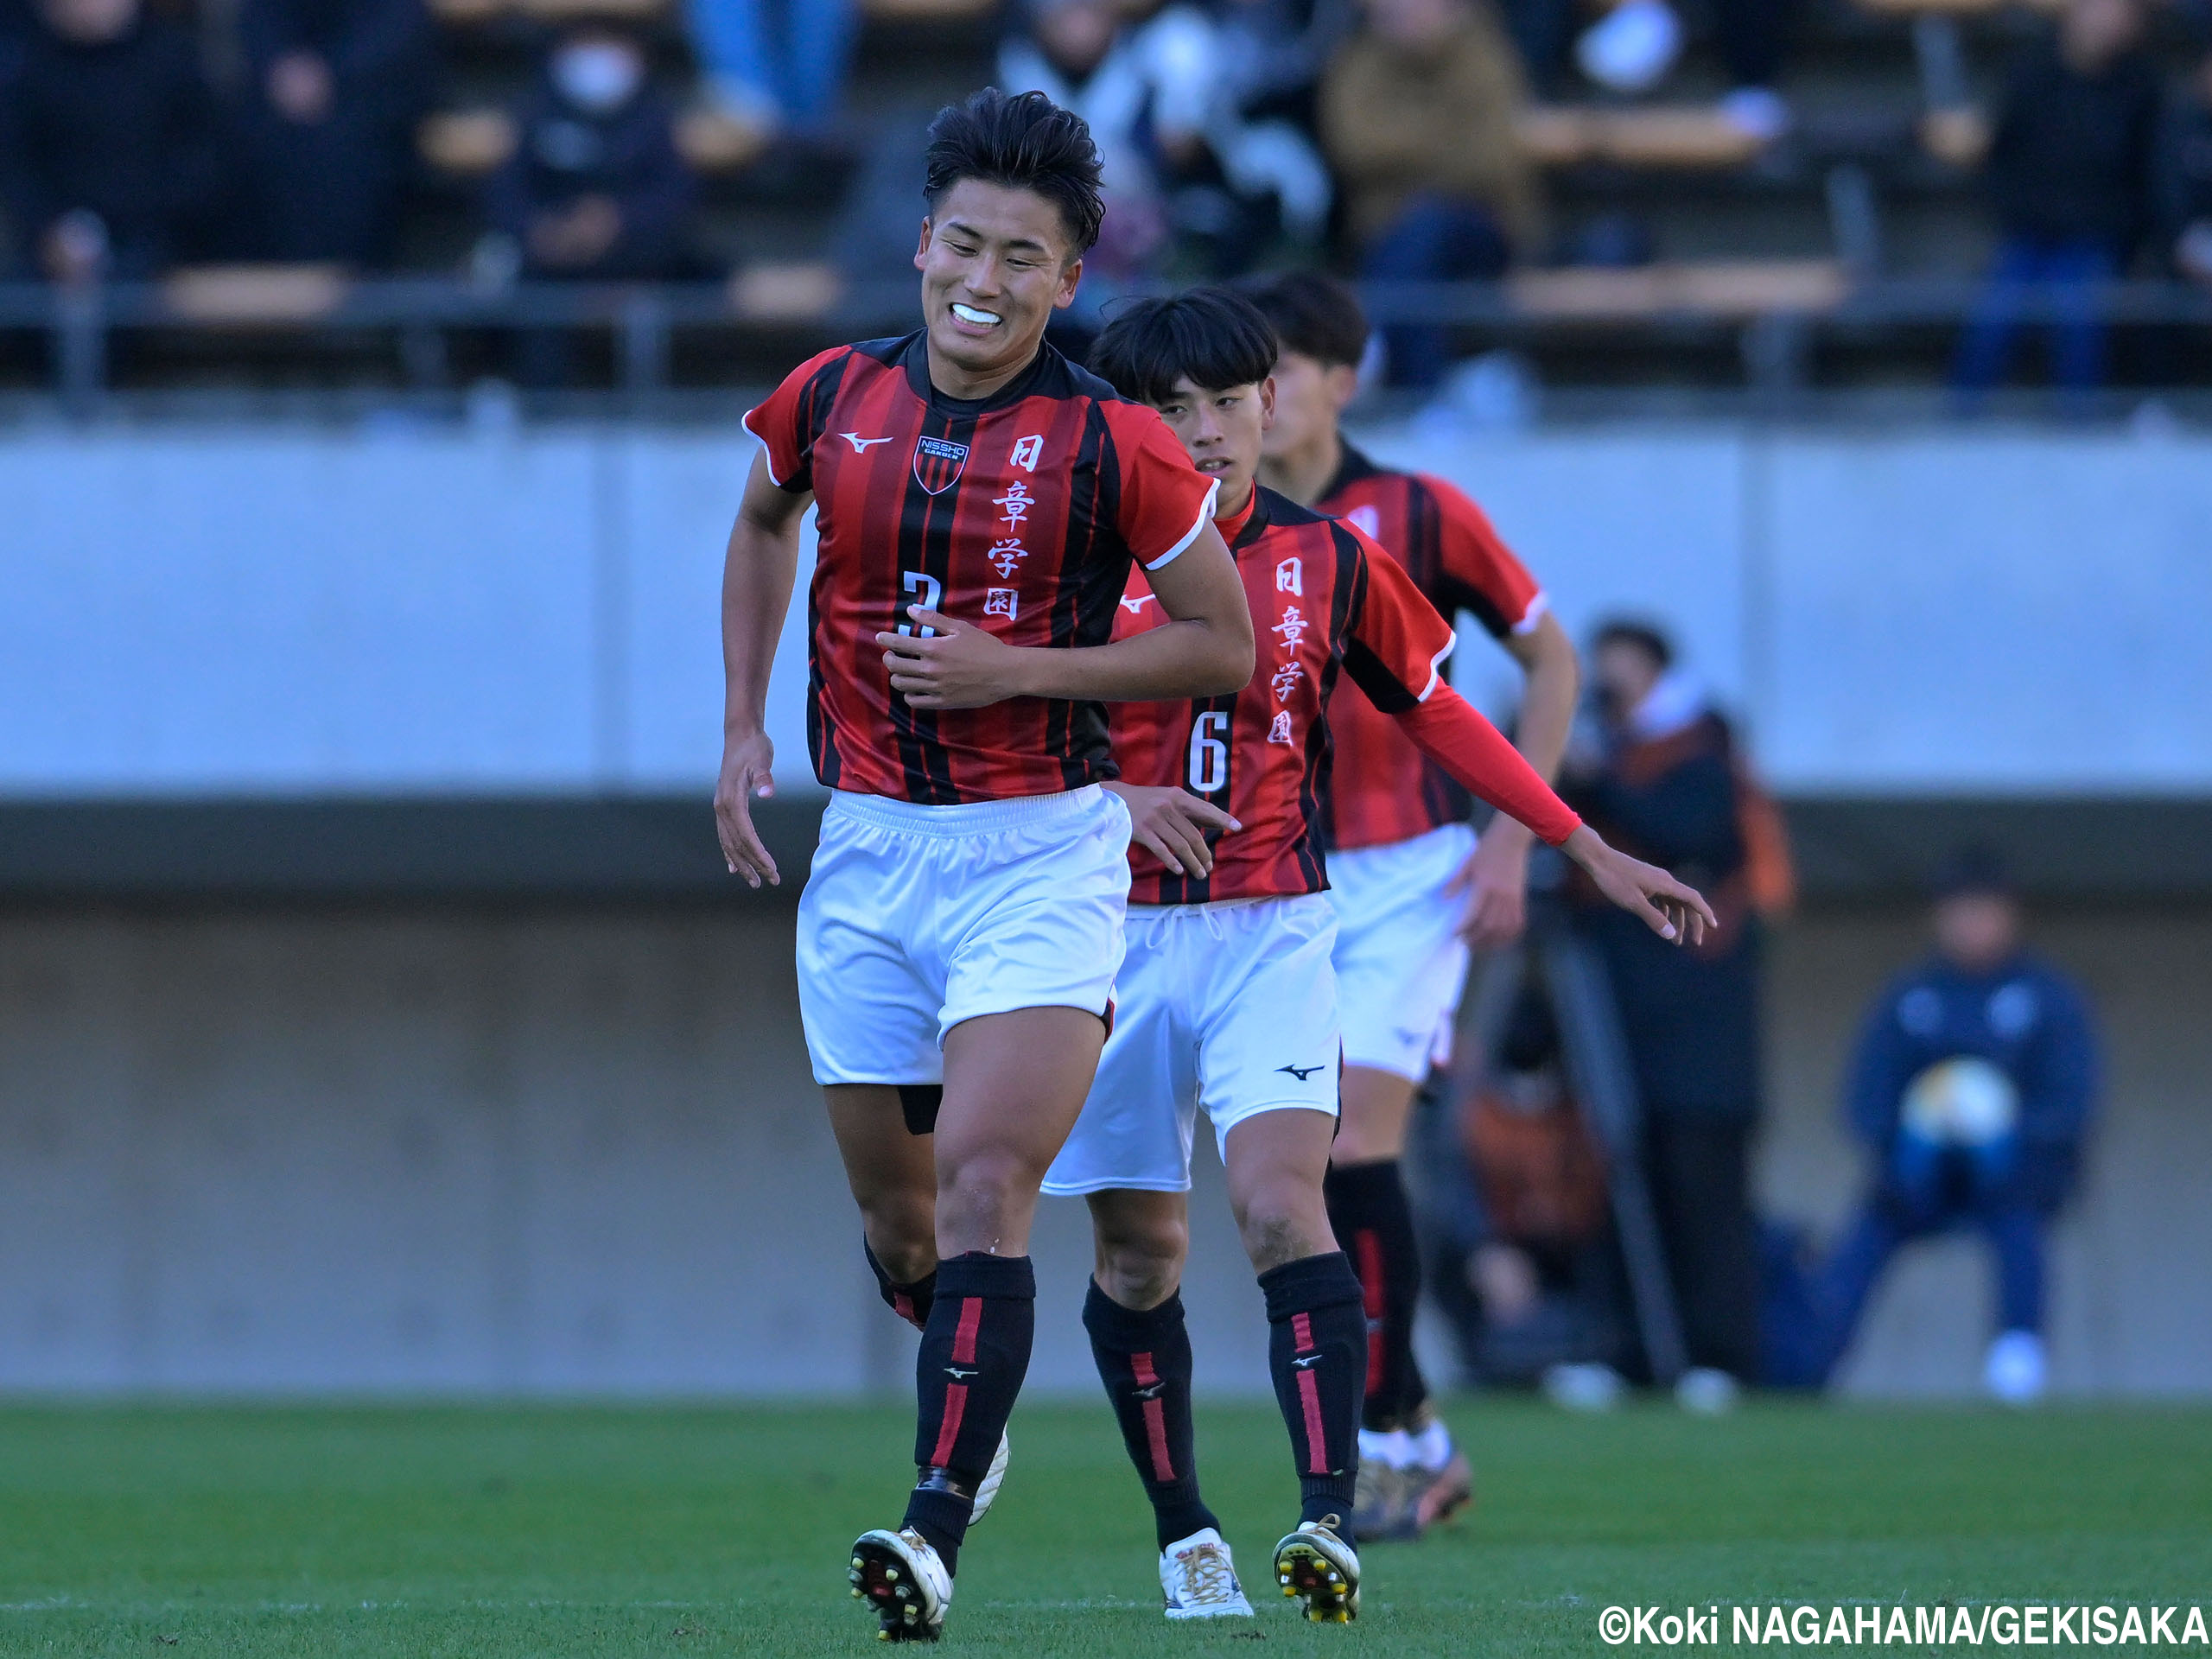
1165	501
790	419
1395	642
1476	570
1392	628
1451	732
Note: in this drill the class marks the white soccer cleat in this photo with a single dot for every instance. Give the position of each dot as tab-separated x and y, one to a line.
2016	1372
901	1576
994	1478
1198	1580
1319	1567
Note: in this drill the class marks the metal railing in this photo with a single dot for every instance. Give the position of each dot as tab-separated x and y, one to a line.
1776	339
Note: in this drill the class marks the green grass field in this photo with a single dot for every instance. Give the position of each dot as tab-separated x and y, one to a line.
540	1532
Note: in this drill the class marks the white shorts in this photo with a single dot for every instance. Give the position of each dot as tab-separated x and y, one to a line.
917	917
1231	1006
1401	963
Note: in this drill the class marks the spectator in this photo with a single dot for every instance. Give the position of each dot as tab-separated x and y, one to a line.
2068	169
1419	113
108	140
1150	92
1661	775
2185	177
1972	1089
777	63
334	90
595	188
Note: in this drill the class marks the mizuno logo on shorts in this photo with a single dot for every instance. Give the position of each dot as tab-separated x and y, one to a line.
1301	1072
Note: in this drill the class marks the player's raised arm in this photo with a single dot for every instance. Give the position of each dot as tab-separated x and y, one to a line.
757	575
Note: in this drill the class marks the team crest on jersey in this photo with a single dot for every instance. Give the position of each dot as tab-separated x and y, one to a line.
937	463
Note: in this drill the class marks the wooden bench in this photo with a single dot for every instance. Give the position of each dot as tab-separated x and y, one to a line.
1733	289
1682	139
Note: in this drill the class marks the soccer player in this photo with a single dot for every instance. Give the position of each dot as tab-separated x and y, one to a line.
1227	998
1413	888
980	501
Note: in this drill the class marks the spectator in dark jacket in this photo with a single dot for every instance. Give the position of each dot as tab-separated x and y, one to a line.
1972	1088
336	89
2185	177
108	140
1662	776
596	187
2069	170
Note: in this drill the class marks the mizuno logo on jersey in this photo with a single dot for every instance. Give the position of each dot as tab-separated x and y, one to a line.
1301	1072
1135	603
861	445
937	463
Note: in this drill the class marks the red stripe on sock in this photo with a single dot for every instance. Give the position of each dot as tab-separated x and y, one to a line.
956	1408
1142	1365
1309	1397
1301	1332
963	1339
903	1305
1155	1431
1373	1295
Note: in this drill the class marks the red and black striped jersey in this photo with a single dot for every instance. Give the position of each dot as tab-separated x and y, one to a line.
1019	512
1385	789
1323	597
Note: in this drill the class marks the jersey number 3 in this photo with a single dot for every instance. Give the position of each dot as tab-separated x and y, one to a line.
1210	751
922	589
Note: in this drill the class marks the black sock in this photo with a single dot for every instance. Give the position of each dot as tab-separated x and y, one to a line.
910	1302
1144	1360
1371	1219
975	1353
1317	1344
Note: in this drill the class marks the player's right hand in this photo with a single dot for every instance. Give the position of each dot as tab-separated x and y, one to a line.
1672	909
1171	825
745	774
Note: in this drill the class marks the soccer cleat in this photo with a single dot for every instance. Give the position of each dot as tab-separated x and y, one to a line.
1198	1580
899	1575
994	1478
1434	1494
1317	1564
1381	1501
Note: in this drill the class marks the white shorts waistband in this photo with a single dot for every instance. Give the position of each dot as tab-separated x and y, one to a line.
965	818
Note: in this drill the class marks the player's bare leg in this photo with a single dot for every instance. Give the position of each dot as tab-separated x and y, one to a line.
1014	1086
892	1174
1411	1473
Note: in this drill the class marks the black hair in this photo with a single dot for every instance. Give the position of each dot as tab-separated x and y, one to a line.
1313	314
1643	636
1211	337
1024	142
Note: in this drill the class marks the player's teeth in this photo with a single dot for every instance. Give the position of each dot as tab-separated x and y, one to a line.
970	314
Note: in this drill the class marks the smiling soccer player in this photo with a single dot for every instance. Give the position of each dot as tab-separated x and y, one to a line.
980	501
1227	998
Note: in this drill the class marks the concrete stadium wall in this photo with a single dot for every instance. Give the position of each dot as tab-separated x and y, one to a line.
246	611
554	1152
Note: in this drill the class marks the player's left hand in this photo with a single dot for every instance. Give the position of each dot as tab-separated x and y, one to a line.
1670	908
957	665
1495	877
1173	825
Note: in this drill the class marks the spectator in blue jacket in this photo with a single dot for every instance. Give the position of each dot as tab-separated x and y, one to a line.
1973	1088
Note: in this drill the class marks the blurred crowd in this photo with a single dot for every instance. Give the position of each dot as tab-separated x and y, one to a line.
1969	1095
1385	136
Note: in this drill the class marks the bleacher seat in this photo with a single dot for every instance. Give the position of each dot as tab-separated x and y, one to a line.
714	141
466	143
1685	137
1729	288
254	296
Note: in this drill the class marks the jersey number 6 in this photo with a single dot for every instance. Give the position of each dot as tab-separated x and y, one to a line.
1210	751
930	591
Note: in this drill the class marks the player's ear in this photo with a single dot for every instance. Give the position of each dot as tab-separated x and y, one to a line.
1267	403
1071	274
922	252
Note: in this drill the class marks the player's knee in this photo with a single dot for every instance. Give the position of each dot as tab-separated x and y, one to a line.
1141	1269
985	1187
1281	1218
